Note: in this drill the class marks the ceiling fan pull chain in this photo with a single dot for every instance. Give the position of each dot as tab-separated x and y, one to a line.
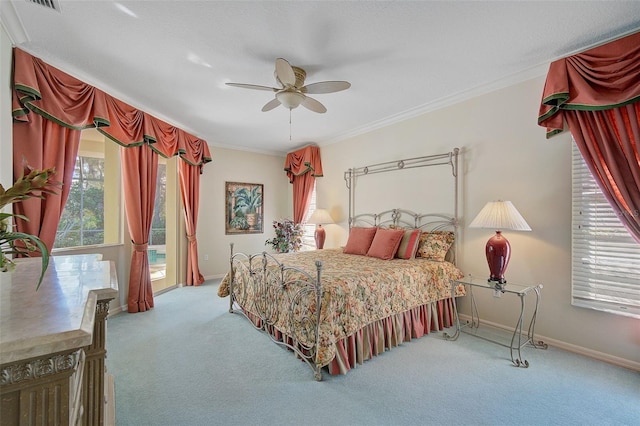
289	125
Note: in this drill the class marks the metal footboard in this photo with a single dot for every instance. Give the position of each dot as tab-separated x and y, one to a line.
257	285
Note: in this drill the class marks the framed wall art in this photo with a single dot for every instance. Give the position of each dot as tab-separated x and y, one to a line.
244	212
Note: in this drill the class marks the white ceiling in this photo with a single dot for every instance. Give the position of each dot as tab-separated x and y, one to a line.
172	58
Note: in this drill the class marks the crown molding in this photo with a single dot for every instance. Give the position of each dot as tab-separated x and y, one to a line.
452	99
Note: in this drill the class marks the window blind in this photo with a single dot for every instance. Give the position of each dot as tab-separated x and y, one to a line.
605	258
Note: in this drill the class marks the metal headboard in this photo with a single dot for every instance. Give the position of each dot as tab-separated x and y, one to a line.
406	218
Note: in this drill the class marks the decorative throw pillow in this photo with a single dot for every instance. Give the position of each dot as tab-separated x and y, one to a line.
409	244
385	243
435	245
359	240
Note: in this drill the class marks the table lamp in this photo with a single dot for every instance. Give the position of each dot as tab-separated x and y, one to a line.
320	217
499	215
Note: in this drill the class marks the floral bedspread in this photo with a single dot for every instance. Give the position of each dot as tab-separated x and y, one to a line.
358	290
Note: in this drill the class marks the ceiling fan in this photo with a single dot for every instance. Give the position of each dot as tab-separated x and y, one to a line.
293	91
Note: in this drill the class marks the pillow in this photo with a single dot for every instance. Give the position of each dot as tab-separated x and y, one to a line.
435	245
409	244
385	243
359	240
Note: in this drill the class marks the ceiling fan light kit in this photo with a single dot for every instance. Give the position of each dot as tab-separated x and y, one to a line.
290	98
292	92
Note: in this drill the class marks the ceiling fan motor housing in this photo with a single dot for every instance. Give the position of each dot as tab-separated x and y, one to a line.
300	74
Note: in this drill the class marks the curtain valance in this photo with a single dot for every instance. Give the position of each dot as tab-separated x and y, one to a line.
601	78
304	160
57	96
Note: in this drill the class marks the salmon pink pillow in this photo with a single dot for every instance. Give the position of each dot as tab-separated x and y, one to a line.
359	240
385	243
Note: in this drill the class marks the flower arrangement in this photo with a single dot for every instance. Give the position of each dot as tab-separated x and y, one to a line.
288	236
34	184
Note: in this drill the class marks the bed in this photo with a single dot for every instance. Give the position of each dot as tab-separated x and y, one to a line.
336	308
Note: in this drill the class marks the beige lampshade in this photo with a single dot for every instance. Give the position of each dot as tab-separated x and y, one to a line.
499	215
320	217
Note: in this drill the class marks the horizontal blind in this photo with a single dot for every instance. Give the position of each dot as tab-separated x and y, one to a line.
605	258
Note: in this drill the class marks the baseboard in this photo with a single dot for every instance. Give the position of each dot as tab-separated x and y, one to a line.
214	277
569	347
123	308
117	310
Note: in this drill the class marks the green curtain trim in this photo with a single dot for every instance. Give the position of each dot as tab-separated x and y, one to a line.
553	133
153	148
125	145
582	107
32	92
48	116
557	107
307	170
19	113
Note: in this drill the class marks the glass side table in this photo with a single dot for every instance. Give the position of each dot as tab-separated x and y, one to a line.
518	339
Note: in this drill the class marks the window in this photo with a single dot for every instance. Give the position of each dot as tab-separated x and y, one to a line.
91	215
157	250
606	259
308	239
82	221
159	224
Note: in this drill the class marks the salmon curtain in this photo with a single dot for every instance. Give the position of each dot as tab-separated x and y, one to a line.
139	172
50	107
190	188
42	144
302	168
597	93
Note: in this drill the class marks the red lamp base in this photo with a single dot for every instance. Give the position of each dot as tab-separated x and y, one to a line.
498	252
319	235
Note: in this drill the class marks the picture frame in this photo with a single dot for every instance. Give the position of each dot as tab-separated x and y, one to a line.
244	208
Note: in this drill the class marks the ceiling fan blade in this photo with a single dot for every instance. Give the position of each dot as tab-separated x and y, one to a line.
271	105
313	105
285	73
326	87
253	86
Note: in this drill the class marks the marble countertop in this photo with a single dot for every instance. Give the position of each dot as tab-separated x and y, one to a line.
60	314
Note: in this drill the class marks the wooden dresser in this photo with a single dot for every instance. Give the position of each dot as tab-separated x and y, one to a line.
52	342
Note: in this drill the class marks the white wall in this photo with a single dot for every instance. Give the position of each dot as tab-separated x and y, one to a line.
237	166
6	145
505	156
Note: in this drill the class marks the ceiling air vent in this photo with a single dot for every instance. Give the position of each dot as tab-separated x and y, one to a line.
51	4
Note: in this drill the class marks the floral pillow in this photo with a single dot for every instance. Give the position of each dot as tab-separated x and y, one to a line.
435	245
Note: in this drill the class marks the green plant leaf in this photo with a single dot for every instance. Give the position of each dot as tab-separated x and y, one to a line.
10	238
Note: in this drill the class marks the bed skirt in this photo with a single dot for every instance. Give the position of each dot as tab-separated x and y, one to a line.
379	336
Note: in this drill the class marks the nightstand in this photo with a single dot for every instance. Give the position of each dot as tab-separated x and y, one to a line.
519	339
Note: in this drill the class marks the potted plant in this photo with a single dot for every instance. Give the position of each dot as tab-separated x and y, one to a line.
247	203
35	184
288	236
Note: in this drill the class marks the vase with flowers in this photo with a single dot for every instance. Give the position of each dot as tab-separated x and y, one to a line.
34	184
288	236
